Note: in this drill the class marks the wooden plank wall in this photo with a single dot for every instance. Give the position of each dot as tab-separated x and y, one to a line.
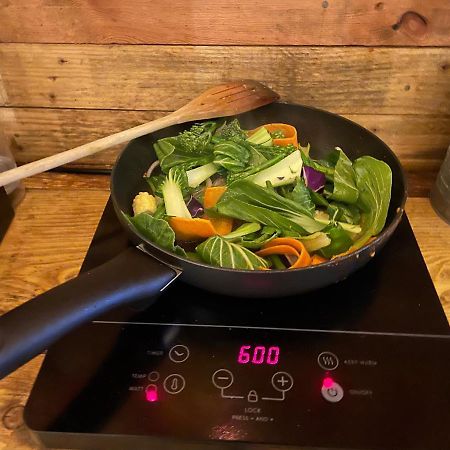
72	71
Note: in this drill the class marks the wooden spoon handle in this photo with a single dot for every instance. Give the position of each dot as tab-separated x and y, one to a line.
68	156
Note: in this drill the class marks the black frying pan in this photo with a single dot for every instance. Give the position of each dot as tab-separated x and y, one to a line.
143	272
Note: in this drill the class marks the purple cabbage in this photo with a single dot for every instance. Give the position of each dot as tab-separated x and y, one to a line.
313	179
195	207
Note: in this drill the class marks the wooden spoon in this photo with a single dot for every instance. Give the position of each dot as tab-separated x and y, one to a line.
224	100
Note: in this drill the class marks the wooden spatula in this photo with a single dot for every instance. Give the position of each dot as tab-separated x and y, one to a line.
224	100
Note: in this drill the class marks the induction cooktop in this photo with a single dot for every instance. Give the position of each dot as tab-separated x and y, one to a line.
363	364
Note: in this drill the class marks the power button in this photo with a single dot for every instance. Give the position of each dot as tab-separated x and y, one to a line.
332	393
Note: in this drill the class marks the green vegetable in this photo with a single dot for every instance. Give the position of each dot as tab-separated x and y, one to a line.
231	131
374	182
276	262
231	156
340	242
344	189
253	194
220	252
275	150
243	230
256	156
301	195
245	211
160	211
198	137
268	233
344	213
261	137
155	182
172	190
193	257
277	134
315	241
283	172
321	166
190	149
200	174
156	230
336	210
252	170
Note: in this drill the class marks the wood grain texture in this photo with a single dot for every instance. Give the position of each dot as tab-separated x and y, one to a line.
354	80
242	22
38	132
50	236
420	141
44	247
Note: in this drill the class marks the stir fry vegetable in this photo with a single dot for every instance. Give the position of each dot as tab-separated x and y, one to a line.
257	200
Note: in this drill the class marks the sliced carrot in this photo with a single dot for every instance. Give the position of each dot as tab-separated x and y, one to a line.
192	229
317	259
277	250
223	225
263	268
212	195
283	248
290	133
304	258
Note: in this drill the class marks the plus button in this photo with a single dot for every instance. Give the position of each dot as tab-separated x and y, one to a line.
282	381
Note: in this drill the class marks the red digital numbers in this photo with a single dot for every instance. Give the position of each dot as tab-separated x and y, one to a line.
258	355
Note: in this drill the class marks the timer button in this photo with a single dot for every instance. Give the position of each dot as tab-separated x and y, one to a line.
328	361
179	353
174	383
333	394
282	381
222	379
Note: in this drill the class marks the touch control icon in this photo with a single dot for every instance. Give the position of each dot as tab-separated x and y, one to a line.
282	381
222	379
327	361
333	393
179	353
174	383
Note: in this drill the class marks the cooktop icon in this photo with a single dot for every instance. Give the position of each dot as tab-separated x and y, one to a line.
174	383
179	353
328	361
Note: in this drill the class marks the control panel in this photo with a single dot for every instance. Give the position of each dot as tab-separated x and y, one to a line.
298	387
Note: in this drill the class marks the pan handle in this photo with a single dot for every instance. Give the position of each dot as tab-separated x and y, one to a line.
32	327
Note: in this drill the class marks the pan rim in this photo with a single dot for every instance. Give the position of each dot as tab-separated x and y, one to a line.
386	232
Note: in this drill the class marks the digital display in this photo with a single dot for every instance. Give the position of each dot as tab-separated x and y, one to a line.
258	354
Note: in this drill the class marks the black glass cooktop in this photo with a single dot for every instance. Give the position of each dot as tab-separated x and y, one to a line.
362	364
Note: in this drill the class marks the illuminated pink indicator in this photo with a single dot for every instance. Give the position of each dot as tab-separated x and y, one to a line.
328	382
151	393
258	355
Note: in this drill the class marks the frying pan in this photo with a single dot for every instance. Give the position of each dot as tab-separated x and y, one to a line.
142	272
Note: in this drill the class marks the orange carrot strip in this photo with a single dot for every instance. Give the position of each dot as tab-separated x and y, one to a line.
212	195
304	258
290	133
223	225
278	250
317	259
191	229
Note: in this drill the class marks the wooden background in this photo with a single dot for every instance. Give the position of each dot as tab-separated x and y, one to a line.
72	71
